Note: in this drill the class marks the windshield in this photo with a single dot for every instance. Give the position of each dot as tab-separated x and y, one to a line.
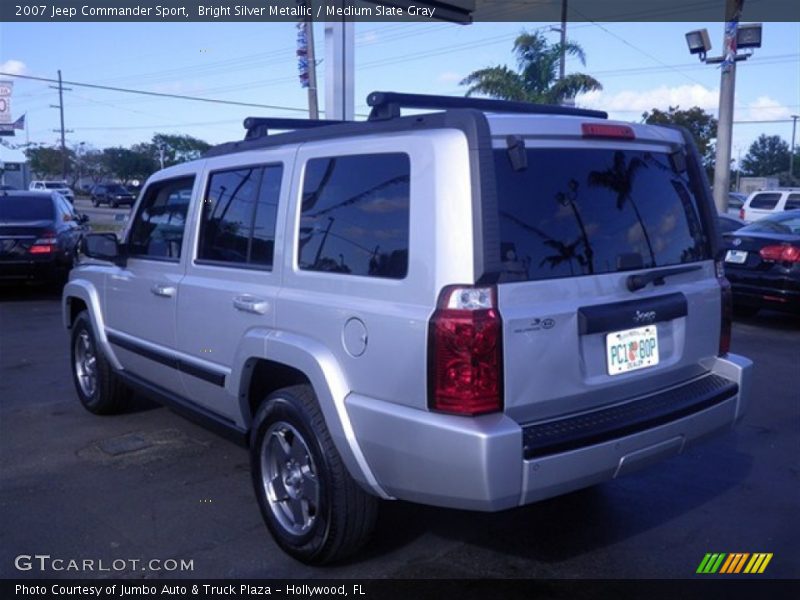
577	212
55	185
117	189
26	208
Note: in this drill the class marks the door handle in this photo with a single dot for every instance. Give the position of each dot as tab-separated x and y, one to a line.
163	290
250	304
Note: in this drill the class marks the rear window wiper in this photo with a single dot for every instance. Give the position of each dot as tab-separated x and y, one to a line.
638	281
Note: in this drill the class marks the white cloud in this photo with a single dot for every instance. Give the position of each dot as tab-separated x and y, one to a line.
449	77
14	67
639	101
765	108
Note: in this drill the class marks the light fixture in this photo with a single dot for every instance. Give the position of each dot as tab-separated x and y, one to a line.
698	41
748	35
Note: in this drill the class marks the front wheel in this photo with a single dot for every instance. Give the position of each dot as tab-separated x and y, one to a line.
99	389
314	509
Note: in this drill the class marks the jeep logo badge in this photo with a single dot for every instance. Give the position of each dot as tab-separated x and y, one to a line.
644	317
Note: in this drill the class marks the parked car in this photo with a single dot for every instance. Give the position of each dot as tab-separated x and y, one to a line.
762	263
735	203
475	308
53	186
728	224
762	204
112	194
39	232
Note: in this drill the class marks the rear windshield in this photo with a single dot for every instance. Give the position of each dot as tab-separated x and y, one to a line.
16	208
577	212
765	201
55	185
781	223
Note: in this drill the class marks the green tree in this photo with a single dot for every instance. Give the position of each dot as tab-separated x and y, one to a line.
768	155
45	161
536	78
127	164
177	148
702	126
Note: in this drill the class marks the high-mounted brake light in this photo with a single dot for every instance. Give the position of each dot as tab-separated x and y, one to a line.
604	130
782	253
465	366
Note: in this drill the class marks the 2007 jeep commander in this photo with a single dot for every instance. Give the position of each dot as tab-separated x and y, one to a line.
477	307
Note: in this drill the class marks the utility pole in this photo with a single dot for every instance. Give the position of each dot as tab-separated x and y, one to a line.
791	150
727	93
562	67
60	107
313	105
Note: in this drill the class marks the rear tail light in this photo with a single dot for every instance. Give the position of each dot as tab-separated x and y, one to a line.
782	253
465	345
726	305
741	214
44	245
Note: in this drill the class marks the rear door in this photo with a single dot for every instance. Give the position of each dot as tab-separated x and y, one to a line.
581	229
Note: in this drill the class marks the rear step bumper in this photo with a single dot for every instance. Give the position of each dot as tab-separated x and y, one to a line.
491	462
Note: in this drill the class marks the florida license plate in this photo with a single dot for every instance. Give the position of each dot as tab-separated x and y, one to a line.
632	349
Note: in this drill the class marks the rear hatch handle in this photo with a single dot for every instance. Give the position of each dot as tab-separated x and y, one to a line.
638	281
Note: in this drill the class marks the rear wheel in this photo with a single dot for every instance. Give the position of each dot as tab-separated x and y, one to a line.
112	203
99	389
315	511
95	202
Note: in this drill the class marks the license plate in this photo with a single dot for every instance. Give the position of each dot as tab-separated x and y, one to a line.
632	349
737	257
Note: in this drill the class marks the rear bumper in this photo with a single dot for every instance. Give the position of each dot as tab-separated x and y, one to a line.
766	297
17	270
480	464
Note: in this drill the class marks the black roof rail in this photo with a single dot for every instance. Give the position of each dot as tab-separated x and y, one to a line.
259	126
387	105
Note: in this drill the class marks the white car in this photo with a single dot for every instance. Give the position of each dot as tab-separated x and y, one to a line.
768	202
53	186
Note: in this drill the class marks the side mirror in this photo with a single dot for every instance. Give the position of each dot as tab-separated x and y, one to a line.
103	246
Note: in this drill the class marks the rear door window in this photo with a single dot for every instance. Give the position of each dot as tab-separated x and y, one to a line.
765	201
575	212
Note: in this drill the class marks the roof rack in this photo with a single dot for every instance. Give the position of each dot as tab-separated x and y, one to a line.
387	105
259	126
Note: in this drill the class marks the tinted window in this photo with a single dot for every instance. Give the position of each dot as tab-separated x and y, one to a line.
117	189
25	208
735	201
581	212
765	201
355	215
157	230
55	185
792	202
239	216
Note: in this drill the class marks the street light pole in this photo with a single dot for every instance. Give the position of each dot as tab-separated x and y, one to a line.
727	93
791	150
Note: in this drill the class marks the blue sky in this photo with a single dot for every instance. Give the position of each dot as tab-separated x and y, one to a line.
641	66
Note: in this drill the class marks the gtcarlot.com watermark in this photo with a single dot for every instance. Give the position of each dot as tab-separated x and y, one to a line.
47	563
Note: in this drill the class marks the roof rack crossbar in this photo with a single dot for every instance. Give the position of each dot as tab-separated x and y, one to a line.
259	126
387	105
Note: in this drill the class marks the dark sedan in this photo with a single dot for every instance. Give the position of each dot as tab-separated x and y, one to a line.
38	235
112	194
762	262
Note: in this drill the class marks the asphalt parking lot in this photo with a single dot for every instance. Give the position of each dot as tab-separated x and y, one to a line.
151	485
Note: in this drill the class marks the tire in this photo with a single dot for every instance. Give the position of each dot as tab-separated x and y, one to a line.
112	203
324	515
95	202
99	389
745	310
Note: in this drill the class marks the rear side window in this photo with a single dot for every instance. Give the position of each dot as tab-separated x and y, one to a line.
157	230
792	202
239	216
574	212
16	208
355	215
765	201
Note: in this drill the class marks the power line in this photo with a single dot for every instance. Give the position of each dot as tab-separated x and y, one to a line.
160	94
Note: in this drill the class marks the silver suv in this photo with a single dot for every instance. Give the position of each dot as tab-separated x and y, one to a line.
477	307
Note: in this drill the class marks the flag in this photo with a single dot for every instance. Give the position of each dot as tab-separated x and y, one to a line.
302	53
19	123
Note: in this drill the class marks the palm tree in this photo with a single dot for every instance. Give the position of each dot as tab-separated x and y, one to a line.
536	79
